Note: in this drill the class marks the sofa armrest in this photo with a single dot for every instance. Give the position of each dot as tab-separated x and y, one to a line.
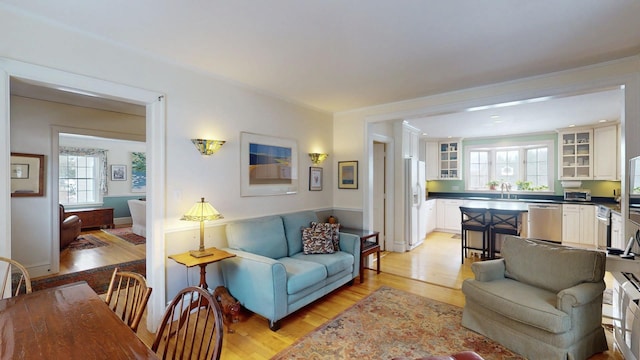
488	270
351	244
579	295
259	283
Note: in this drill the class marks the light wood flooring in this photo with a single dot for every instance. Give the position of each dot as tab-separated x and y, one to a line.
119	251
435	264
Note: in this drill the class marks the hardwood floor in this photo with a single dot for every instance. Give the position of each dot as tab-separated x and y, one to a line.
119	251
432	270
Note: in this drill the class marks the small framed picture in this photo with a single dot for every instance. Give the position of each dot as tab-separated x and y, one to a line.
27	174
315	179
118	172
347	174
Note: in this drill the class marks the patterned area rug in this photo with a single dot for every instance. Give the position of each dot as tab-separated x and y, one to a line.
393	323
97	278
86	241
126	234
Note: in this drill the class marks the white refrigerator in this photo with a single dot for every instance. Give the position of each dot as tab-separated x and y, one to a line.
415	208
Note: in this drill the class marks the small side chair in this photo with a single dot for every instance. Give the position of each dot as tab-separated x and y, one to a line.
127	296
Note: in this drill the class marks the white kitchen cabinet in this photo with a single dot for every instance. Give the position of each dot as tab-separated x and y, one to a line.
578	225
432	218
448	215
617	237
450	159
606	153
575	154
410	142
432	159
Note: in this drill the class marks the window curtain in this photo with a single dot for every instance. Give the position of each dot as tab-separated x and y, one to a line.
102	158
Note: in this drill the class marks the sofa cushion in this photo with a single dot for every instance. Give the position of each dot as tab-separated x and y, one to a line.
335	232
317	241
262	236
302	274
335	263
539	264
293	225
519	301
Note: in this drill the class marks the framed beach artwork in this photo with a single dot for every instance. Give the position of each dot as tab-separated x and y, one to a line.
27	175
268	165
347	175
315	178
138	172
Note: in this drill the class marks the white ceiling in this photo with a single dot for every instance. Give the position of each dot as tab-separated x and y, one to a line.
337	55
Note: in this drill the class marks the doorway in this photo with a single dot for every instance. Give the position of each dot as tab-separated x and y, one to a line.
154	105
379	191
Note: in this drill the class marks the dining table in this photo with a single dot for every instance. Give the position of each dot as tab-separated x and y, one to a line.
65	322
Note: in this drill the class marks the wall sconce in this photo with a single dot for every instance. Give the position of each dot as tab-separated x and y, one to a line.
317	158
207	147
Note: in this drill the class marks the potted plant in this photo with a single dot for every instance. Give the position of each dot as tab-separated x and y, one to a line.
523	185
493	184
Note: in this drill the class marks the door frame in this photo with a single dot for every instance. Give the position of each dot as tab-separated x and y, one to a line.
155	149
389	217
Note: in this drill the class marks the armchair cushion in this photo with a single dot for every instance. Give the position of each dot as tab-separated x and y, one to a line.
540	264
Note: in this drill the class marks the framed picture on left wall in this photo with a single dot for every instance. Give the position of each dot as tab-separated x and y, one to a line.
27	175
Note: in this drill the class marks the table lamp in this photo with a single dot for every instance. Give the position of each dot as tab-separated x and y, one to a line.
202	211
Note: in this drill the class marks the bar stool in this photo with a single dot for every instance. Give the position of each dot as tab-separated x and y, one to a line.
505	222
474	219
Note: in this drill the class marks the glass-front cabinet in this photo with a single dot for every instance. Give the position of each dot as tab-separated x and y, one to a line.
450	160
576	154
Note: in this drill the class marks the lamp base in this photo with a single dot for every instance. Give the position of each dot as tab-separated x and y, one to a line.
200	253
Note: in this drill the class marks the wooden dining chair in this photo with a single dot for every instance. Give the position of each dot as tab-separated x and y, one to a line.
191	327
13	274
127	296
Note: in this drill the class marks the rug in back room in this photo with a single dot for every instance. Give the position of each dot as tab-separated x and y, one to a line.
98	278
86	241
126	235
393	323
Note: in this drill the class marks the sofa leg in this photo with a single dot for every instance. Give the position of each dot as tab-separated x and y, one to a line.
351	282
274	325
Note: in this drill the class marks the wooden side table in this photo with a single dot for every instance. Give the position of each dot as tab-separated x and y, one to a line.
187	260
368	246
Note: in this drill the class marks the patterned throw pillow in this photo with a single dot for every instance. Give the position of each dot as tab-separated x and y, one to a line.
316	241
335	230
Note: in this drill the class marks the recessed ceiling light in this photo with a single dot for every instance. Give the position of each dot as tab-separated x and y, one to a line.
602	120
572	125
495	116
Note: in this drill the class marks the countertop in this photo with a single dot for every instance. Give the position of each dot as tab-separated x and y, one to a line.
542	199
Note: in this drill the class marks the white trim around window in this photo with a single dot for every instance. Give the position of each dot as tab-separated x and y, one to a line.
522	146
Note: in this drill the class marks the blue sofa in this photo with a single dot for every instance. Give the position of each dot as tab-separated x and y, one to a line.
272	276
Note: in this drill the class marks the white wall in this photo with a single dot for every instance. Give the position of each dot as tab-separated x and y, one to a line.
197	106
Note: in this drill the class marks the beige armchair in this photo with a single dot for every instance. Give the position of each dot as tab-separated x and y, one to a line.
70	227
541	300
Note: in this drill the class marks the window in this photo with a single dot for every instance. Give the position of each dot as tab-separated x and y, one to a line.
523	166
78	179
